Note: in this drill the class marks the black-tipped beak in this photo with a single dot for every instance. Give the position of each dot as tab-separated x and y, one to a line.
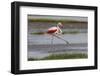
61	26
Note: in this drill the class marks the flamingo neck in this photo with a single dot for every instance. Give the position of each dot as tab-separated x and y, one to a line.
58	26
60	31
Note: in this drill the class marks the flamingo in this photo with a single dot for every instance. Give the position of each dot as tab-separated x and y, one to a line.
55	31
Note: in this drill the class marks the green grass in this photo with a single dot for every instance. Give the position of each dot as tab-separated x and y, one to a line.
70	32
37	33
61	56
56	21
64	32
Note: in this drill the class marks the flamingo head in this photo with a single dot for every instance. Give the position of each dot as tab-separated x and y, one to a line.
60	24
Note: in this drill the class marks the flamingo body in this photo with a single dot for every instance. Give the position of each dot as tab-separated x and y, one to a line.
52	30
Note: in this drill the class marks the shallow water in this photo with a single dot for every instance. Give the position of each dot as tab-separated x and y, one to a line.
46	39
39	51
40	45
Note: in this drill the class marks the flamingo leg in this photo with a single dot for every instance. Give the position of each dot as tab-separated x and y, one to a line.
60	38
52	38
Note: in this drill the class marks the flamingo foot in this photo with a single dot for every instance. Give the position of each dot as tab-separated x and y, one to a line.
67	43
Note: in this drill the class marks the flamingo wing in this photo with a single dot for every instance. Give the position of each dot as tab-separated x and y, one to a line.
52	30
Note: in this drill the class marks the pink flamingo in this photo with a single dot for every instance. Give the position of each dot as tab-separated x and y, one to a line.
55	31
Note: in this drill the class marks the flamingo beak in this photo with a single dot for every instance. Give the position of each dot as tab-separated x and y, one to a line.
61	26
